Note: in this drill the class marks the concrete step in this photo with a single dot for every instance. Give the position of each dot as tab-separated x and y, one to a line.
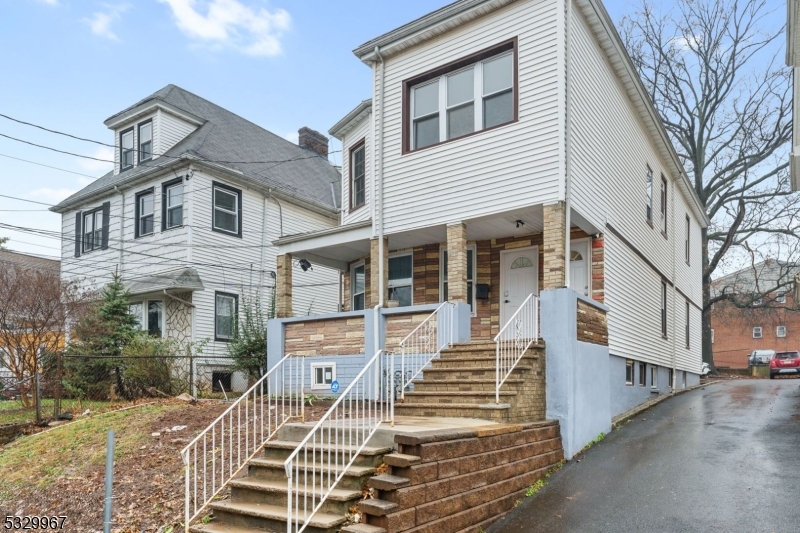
467	385
261	491
362	528
370	456
269	518
473	398
478	372
272	470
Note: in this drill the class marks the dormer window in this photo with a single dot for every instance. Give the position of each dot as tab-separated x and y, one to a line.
126	149
145	141
470	95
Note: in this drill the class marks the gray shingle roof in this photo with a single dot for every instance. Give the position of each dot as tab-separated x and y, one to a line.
7	257
764	276
230	139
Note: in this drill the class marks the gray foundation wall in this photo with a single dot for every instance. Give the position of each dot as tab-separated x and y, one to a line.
624	397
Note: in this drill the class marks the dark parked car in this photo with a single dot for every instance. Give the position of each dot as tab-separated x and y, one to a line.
784	363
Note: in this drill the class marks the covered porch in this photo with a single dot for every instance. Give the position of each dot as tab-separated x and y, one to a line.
490	263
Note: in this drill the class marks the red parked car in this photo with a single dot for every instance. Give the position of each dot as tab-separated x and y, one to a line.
784	363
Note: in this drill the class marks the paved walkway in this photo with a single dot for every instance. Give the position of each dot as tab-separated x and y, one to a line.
724	458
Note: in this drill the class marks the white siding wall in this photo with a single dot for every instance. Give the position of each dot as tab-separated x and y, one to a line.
512	166
353	137
172	131
610	151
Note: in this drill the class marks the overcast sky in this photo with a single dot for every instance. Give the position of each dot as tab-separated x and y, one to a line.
70	64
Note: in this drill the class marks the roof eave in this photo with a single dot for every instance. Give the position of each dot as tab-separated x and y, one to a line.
356	115
148	106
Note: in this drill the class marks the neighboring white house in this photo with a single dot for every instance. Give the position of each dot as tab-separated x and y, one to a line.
793	60
188	215
493	126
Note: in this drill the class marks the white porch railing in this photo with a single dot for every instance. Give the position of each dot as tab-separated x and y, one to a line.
517	335
425	343
220	452
331	447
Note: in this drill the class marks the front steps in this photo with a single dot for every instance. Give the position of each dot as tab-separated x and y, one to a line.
461	383
258	501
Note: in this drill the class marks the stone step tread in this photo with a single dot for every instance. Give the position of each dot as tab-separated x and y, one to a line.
388	482
376	507
401	460
472	368
213	527
281	487
473	406
488	357
276	512
483	345
277	464
291	445
460	393
476	381
362	528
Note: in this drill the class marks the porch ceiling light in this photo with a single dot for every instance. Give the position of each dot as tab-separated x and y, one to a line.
520	223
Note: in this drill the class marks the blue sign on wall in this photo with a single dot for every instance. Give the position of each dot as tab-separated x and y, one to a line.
334	387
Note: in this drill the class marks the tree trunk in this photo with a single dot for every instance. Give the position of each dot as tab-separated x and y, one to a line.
708	347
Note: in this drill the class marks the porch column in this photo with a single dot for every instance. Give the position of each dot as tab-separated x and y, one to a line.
283	286
555	226
457	262
374	260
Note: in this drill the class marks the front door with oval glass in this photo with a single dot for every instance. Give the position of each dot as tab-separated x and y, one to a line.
579	267
519	277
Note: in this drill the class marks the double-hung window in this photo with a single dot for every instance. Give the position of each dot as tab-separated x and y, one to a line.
664	309
629	372
145	212
358	180
757	332
642	375
126	154
653	376
473	94
358	287
227	209
225	309
93	230
664	205
648	187
471	254
172	211
780	331
149	316
687	240
401	272
688	323
145	141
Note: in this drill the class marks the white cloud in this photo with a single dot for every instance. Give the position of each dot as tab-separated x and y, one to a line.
49	2
85	181
102	152
252	31
52	195
100	22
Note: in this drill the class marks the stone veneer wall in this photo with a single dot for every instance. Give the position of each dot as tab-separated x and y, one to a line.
179	317
592	324
399	326
331	336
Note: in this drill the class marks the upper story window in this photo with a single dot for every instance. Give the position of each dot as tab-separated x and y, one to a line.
145	141
472	94
227	216
145	212
126	149
648	184
172	204
664	205
664	309
92	230
780	298
358	180
687	239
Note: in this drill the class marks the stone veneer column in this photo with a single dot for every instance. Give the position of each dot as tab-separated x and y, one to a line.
457	262
283	288
374	286
555	225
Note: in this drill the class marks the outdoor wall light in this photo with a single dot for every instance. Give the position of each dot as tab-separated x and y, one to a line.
305	265
520	223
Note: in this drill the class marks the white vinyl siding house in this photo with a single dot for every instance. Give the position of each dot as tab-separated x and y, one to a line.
351	140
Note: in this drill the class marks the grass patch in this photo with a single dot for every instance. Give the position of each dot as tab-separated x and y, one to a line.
13	412
37	460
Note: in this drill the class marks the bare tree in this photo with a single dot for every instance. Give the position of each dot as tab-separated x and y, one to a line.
715	73
34	306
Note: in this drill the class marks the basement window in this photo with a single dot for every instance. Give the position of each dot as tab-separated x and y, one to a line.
323	375
653	377
221	381
629	372
642	375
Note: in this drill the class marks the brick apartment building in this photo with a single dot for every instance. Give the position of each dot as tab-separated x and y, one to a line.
771	322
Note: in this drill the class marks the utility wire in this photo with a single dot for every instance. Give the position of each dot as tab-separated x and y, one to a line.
48	166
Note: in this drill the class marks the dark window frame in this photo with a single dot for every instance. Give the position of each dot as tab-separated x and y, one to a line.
654	376
235	314
688	240
629	372
360	145
139	140
353	294
458	64
649	195
238	193
664	306
642	374
164	200
688	325
137	214
122	167
95	246
663	196
216	382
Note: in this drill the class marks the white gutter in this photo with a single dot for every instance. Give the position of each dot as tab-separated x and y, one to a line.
379	205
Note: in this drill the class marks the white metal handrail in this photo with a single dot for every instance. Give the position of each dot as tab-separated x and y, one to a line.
514	339
425	343
222	450
330	448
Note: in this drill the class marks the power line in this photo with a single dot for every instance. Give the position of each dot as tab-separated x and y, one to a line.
55	149
55	131
48	166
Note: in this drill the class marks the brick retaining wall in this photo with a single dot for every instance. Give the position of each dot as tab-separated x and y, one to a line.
592	324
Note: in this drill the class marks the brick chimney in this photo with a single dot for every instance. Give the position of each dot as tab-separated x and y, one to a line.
313	140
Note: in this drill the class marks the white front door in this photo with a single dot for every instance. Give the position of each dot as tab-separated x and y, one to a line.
519	277
579	267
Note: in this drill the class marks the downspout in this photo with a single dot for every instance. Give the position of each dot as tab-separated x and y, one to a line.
567	154
379	205
121	229
263	245
674	287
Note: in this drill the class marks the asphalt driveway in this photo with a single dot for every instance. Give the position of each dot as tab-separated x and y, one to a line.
725	458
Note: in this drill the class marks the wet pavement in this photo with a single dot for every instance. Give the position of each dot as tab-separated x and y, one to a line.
725	458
